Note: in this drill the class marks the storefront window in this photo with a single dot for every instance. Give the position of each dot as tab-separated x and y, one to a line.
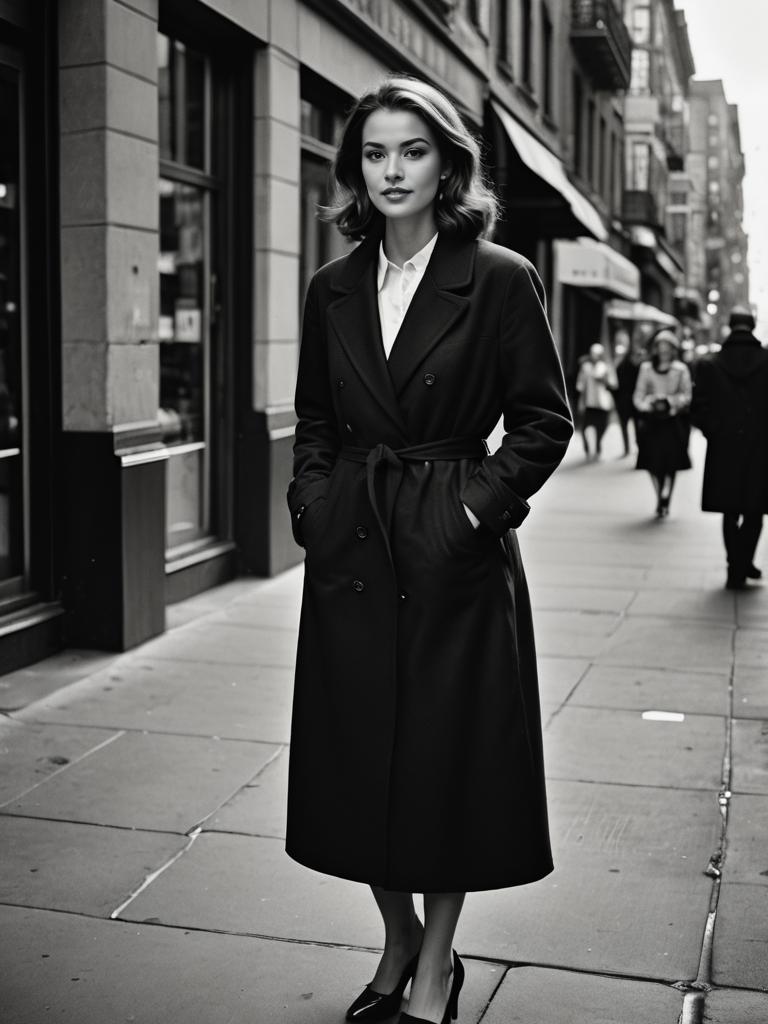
188	193
13	474
321	124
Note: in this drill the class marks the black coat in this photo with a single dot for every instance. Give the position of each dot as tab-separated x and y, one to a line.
730	406
416	758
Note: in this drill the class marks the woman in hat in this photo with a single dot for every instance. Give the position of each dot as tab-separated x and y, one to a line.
416	763
662	398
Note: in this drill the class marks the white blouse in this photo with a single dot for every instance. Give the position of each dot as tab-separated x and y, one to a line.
396	288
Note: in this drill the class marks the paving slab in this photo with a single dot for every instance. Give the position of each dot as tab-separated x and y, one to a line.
644	919
675	602
79	868
573	634
686	577
208	602
673	826
262	892
30	753
752	605
654	643
750	756
543	572
740	954
593	744
536	995
221	644
148	781
731	1006
25	685
558	677
71	969
582	599
746	857
752	649
264	616
750	693
159	695
646	689
258	809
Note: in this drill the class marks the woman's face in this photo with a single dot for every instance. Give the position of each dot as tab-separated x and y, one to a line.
664	350
401	163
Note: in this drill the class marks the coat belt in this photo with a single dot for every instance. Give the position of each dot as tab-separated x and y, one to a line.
384	467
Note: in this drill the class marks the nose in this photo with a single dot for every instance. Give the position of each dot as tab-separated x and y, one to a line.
393	172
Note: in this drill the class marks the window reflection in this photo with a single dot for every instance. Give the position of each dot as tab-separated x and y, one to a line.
180	329
181	98
11	461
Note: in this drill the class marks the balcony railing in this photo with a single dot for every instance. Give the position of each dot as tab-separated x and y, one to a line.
601	40
640	208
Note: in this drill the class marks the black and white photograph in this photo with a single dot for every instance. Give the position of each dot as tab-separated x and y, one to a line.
383	465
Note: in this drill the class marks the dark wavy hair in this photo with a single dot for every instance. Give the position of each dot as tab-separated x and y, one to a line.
465	206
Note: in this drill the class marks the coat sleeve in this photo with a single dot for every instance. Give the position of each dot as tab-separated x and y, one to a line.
537	418
317	441
642	398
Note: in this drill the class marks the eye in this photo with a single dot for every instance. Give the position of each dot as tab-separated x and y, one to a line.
415	152
373	154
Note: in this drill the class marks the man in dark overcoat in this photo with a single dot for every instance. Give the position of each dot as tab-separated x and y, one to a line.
730	407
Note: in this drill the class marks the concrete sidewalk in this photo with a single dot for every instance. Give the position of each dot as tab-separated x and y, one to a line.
144	877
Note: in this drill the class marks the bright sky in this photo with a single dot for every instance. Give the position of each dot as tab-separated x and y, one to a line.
729	40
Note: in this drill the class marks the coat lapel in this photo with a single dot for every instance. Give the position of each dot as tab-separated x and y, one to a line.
434	309
355	319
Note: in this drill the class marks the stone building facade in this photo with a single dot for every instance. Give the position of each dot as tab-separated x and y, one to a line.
720	249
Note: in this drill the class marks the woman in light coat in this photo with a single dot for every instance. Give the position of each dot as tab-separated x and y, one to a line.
662	398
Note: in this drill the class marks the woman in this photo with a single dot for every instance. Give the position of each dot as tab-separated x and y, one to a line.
662	398
416	741
595	383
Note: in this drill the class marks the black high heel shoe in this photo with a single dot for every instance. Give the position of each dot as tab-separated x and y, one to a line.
452	1006
372	1005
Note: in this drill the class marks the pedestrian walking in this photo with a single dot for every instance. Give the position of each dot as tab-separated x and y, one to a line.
595	384
730	407
416	760
662	398
627	369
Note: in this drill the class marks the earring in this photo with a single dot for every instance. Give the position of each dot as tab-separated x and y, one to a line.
440	193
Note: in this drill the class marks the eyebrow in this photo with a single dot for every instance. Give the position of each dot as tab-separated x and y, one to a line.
408	142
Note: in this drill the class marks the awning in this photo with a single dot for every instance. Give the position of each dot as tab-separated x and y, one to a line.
589	264
547	166
620	309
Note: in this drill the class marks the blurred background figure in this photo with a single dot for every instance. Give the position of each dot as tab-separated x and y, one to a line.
730	407
627	367
595	384
662	399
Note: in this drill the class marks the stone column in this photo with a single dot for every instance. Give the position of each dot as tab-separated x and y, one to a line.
115	516
266	542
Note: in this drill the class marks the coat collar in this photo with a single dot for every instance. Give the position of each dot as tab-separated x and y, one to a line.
434	309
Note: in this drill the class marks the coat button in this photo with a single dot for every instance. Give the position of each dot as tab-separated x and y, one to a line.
358	586
348	427
361	532
300	511
506	514
341	384
429	379
403	596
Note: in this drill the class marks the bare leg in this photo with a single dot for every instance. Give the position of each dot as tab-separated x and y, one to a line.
432	985
657	484
403	932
